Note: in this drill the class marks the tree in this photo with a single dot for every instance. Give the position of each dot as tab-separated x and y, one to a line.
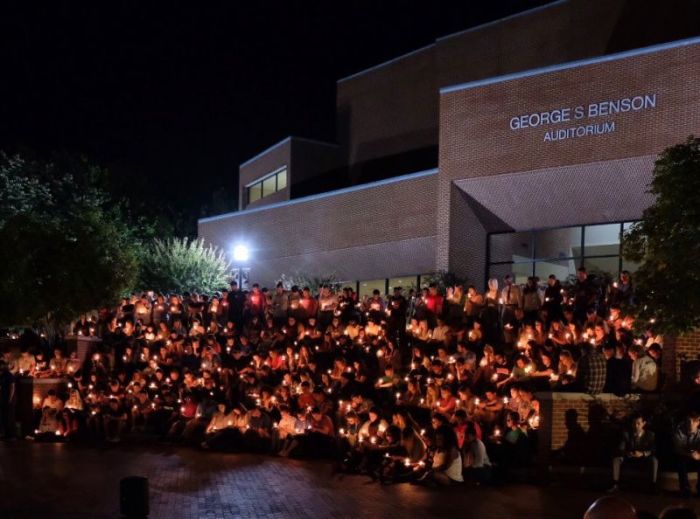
666	243
180	265
66	248
444	279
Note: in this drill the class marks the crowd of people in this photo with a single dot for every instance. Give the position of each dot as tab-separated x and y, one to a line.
418	385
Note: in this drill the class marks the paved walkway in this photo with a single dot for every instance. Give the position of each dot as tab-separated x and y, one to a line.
70	481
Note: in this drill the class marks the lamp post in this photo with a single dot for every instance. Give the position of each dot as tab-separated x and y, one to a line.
241	274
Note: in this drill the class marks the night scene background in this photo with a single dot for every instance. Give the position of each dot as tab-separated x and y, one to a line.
171	99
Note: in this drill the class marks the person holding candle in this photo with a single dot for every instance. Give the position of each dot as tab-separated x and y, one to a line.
473	305
446	468
621	292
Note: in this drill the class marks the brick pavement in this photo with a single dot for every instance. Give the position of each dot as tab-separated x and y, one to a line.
70	481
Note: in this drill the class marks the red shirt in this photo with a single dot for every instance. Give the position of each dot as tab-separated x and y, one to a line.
434	303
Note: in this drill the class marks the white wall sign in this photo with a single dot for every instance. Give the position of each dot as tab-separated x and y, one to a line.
587	117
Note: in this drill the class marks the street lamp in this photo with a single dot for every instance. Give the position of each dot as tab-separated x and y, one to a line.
241	253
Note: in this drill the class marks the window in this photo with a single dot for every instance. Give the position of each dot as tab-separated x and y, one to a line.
282	179
557	251
511	246
267	185
254	192
558	243
406	282
367	287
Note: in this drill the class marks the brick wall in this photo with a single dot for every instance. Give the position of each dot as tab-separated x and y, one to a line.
597	416
393	107
476	140
681	349
377	231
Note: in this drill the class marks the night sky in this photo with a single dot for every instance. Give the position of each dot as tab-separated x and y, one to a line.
171	98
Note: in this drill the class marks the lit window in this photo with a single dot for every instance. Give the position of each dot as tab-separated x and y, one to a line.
267	185
367	287
557	251
254	192
407	283
282	179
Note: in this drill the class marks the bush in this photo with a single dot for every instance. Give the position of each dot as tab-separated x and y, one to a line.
180	265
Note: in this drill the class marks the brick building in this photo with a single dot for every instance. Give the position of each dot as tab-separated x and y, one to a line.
524	145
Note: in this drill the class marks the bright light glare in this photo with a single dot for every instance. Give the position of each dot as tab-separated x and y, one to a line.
241	253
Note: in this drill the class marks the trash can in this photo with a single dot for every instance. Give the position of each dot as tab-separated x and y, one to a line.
133	497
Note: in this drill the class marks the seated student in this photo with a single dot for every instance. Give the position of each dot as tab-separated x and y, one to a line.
447	403
114	420
51	425
285	428
477	466
394	459
291	441
318	439
73	412
686	441
637	448
516	451
371	453
257	436
489	409
645	372
446	468
223	431
374	427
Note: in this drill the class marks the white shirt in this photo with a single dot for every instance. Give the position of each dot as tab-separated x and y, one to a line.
454	470
476	455
645	373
